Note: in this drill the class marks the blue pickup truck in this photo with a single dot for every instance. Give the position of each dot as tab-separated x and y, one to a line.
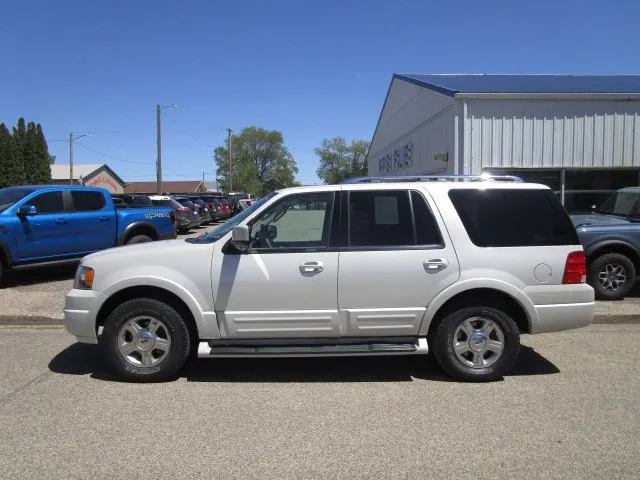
44	223
611	240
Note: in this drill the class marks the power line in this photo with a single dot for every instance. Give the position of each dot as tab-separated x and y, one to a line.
193	137
112	156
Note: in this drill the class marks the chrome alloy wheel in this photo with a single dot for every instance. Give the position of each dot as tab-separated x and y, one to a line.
478	342
612	277
144	341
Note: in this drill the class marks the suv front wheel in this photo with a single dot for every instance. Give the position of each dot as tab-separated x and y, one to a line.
145	340
476	344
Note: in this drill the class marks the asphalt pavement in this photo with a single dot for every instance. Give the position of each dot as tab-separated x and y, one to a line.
568	411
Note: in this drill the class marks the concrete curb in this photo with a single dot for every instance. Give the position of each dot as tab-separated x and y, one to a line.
34	320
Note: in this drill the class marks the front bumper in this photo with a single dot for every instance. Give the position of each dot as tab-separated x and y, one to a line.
80	311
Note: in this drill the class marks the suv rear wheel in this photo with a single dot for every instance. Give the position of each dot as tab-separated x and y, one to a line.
145	340
612	276
476	344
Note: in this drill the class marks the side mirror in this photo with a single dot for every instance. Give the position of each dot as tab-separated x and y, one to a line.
240	237
27	210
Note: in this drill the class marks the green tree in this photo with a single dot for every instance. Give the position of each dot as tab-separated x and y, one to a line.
29	155
11	170
19	139
43	159
258	155
339	160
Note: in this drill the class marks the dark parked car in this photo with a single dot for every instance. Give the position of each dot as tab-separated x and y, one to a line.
213	204
186	203
186	219
203	210
611	240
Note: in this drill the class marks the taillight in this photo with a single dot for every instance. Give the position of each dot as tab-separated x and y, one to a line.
182	209
575	270
172	216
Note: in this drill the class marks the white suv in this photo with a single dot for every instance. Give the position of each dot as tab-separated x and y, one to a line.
374	266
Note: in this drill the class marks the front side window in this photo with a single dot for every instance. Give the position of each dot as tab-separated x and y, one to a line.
296	222
49	202
87	201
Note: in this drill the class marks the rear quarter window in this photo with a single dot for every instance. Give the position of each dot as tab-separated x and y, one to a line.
513	217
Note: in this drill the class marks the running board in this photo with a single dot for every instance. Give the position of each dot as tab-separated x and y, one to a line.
219	350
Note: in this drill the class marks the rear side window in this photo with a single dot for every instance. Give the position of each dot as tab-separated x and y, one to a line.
427	232
389	218
513	218
87	201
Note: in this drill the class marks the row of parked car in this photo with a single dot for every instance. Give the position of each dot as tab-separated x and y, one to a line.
191	210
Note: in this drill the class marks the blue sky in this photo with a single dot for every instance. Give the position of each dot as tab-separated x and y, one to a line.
312	69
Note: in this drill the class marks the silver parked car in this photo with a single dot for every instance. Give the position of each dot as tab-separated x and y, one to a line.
383	267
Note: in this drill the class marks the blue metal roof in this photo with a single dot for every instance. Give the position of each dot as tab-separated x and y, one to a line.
452	84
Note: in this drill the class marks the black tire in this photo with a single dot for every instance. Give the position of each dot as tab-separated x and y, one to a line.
612	265
139	239
442	343
172	326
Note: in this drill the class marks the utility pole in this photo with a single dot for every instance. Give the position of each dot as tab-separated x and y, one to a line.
230	180
70	158
159	160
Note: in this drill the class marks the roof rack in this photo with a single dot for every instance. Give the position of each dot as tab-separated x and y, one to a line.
434	178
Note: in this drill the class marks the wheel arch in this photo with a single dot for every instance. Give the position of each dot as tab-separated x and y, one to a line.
614	246
518	306
148	291
138	228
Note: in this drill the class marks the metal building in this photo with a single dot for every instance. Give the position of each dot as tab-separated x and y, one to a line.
578	134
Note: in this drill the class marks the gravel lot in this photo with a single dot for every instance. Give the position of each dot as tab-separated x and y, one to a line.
569	410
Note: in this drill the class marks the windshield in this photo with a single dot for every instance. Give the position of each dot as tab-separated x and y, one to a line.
624	204
9	196
226	227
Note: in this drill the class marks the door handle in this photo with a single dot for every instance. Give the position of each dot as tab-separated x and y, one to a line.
103	219
434	265
312	267
62	221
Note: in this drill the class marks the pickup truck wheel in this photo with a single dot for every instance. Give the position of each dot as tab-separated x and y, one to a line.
612	276
145	340
476	344
139	239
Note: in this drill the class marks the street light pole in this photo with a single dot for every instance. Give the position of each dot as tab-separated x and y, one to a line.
71	140
70	158
159	160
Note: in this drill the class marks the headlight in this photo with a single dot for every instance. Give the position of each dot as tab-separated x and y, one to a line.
84	278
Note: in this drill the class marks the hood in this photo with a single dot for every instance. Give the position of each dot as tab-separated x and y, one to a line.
146	249
594	219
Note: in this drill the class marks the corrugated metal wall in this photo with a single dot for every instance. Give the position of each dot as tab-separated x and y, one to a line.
407	109
431	138
551	134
